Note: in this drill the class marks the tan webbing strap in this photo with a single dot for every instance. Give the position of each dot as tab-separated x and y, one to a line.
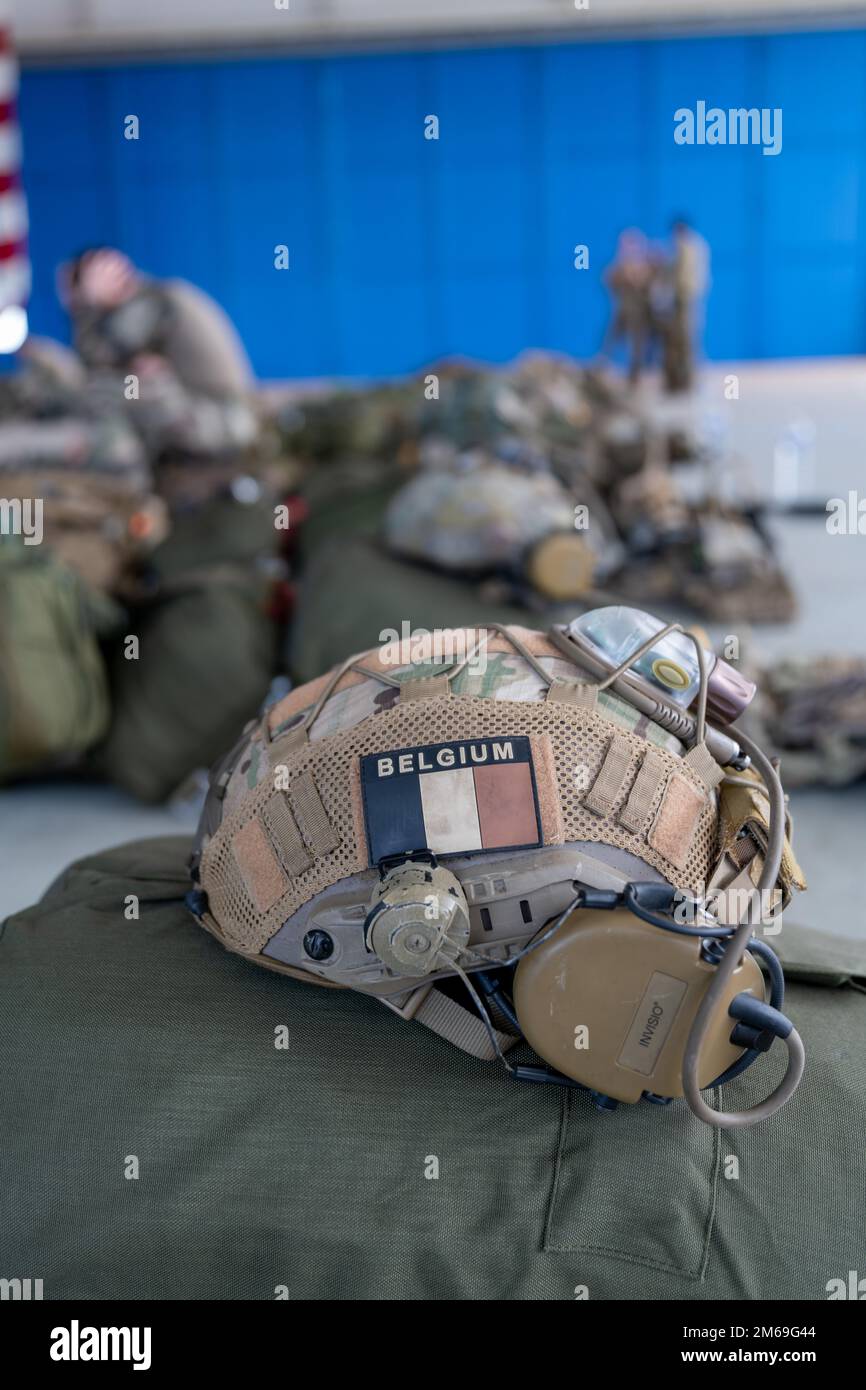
294	738
573	693
743	850
285	835
607	786
311	816
425	687
729	904
702	762
636	810
459	1026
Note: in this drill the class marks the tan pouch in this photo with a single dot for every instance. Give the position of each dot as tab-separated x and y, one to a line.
744	815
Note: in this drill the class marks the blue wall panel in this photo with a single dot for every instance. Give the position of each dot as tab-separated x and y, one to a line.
403	248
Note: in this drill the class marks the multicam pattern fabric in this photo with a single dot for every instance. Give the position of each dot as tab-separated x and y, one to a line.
651	543
496	671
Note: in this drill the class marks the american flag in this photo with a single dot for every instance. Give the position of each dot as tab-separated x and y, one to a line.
14	260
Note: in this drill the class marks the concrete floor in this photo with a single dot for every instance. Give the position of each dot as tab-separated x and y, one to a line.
821	407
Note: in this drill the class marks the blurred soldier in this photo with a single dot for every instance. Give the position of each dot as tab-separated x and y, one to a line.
630	279
194	379
689	274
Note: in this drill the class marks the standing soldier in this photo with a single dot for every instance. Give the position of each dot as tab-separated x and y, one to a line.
630	279
690	283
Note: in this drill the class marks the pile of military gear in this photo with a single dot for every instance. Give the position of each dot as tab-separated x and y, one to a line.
87	461
481	460
542	407
77	479
86	467
812	715
717	560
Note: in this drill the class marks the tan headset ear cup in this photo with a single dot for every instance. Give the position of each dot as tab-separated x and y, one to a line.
561	566
609	1001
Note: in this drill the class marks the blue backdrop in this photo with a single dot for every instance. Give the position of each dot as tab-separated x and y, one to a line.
404	248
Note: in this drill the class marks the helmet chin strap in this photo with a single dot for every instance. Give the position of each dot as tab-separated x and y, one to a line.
730	960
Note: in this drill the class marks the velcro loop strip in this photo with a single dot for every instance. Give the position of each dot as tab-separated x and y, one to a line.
605	790
263	876
676	821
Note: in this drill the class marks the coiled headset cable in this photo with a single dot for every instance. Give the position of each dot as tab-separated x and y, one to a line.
733	954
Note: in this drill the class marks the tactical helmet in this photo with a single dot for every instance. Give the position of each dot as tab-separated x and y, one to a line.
518	837
480	515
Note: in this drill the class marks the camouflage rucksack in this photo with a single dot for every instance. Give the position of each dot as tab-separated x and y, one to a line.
53	687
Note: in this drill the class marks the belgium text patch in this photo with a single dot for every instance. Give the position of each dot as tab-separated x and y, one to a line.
451	798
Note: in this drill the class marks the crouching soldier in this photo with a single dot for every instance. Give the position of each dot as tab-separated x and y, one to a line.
185	374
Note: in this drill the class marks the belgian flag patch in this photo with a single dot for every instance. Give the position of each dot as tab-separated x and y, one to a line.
451	798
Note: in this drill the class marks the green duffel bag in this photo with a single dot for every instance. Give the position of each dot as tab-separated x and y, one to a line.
222	531
347	499
206	652
353	591
53	683
180	1124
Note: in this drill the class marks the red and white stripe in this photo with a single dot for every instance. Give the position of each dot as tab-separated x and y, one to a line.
14	259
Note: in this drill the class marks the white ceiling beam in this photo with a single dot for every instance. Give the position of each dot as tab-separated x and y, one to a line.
55	27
